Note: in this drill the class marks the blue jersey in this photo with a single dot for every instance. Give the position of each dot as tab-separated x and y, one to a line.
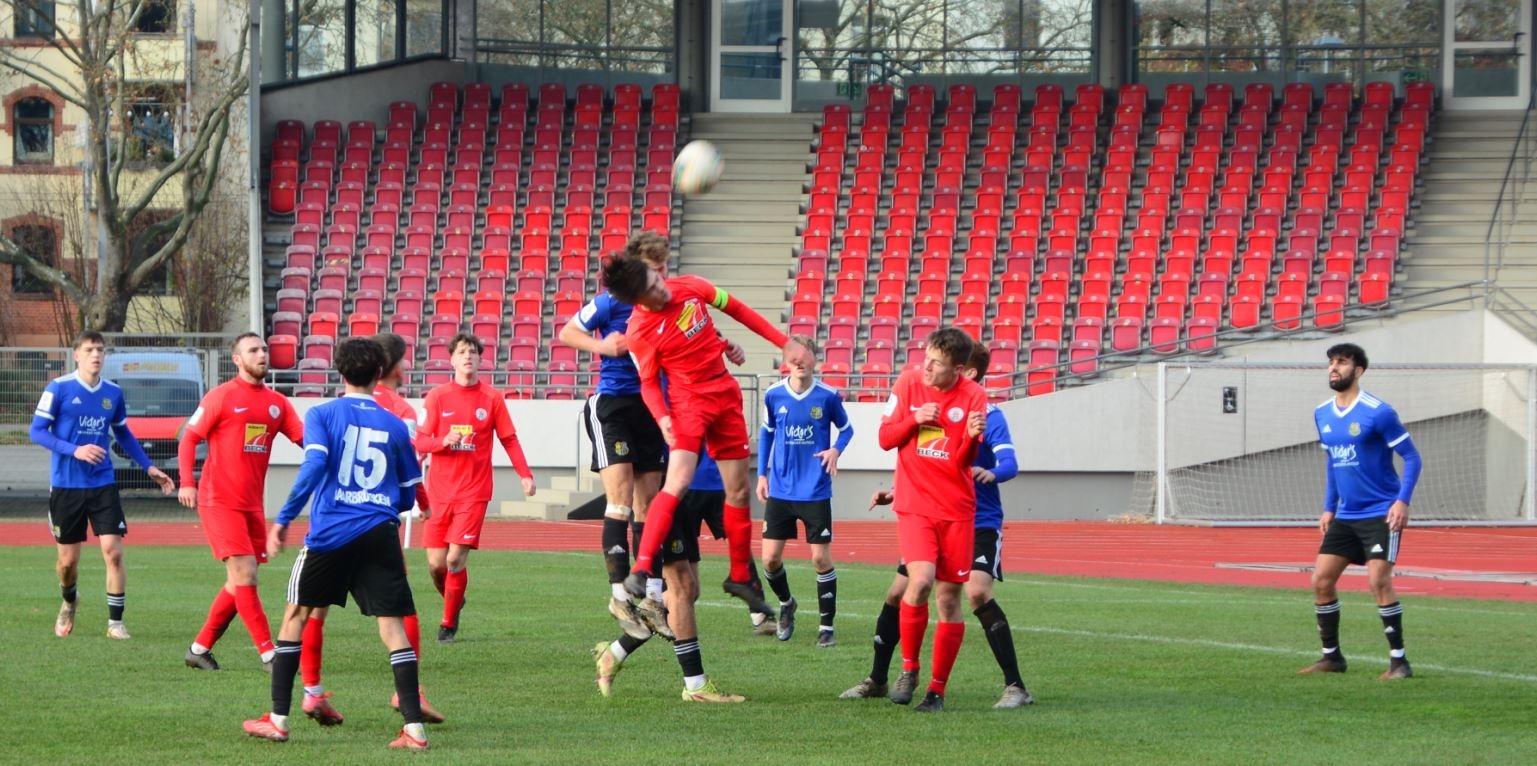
707	475
796	427
996	454
1360	441
606	314
359	464
71	414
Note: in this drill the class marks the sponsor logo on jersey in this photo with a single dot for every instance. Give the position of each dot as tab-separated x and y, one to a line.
241	409
1355	429
692	318
1343	454
92	424
256	438
468	432
932	442
799	434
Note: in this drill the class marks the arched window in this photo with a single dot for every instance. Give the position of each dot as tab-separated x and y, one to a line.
40	243
33	119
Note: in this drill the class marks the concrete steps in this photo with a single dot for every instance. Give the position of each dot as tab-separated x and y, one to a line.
552	503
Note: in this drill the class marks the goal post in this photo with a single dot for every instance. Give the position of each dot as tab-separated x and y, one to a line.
1234	443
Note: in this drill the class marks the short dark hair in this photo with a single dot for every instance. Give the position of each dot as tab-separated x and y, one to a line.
360	361
394	348
953	342
626	278
650	247
981	358
1351	351
234	346
89	336
464	337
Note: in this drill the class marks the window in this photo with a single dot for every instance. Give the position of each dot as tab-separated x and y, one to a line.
159	281
34	19
33	119
151	131
40	243
157	18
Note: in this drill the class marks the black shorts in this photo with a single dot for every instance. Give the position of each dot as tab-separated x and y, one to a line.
682	542
986	554
709	506
622	431
371	568
779	520
68	510
1361	540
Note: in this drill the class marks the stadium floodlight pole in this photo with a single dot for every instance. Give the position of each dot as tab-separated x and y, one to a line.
1161	482
253	158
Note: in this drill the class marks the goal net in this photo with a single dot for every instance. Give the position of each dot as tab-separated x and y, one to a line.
1235	443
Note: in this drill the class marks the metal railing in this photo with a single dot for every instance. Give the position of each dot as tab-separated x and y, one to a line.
1512	186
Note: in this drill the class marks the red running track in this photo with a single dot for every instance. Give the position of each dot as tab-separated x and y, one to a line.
1457	562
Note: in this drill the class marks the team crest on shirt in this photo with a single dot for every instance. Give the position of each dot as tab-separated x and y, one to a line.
932	442
256	438
621	448
1355	429
677	546
480	413
272	409
816	413
955	414
691	318
106	404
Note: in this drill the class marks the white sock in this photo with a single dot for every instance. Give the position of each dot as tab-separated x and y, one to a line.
618	651
280	721
654	588
1396	654
266	656
619	591
417	731
758	618
315	691
694	683
198	648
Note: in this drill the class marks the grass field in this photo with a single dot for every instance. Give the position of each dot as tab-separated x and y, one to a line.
1125	672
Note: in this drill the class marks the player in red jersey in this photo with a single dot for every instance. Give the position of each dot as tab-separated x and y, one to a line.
317	701
239	420
671	332
934	419
462	417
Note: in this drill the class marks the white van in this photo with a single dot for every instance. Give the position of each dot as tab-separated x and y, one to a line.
162	389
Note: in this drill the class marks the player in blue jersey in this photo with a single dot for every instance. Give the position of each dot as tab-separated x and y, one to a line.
73	420
1366	505
995	463
362	471
797	459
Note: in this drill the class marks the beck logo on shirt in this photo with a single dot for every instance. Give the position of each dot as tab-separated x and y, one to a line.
932	442
468	432
691	318
256	438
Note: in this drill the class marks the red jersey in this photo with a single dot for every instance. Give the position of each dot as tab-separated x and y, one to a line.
395	405
239	420
934	460
462	473
680	339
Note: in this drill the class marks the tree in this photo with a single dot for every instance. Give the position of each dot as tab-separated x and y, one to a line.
89	45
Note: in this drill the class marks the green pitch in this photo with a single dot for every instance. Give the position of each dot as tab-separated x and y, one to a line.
1125	672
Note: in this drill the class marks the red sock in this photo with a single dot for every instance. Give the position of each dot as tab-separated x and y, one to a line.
219	615
249	604
658	524
312	649
453	596
914	623
414	634
947	644
738	523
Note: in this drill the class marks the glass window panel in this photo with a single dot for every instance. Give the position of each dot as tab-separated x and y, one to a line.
1056	31
374	35
35	19
1487	20
750	76
835	53
910	34
1485	74
1245	35
643	36
1324	22
424	27
33	118
751	22
1171	23
40	243
322	37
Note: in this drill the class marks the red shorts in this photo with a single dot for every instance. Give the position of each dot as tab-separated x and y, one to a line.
710	418
235	533
454	524
945	543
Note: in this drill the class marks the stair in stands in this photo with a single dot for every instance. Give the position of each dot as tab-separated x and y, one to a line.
552	503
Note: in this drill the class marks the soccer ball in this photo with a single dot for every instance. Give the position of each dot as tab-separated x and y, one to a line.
697	168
